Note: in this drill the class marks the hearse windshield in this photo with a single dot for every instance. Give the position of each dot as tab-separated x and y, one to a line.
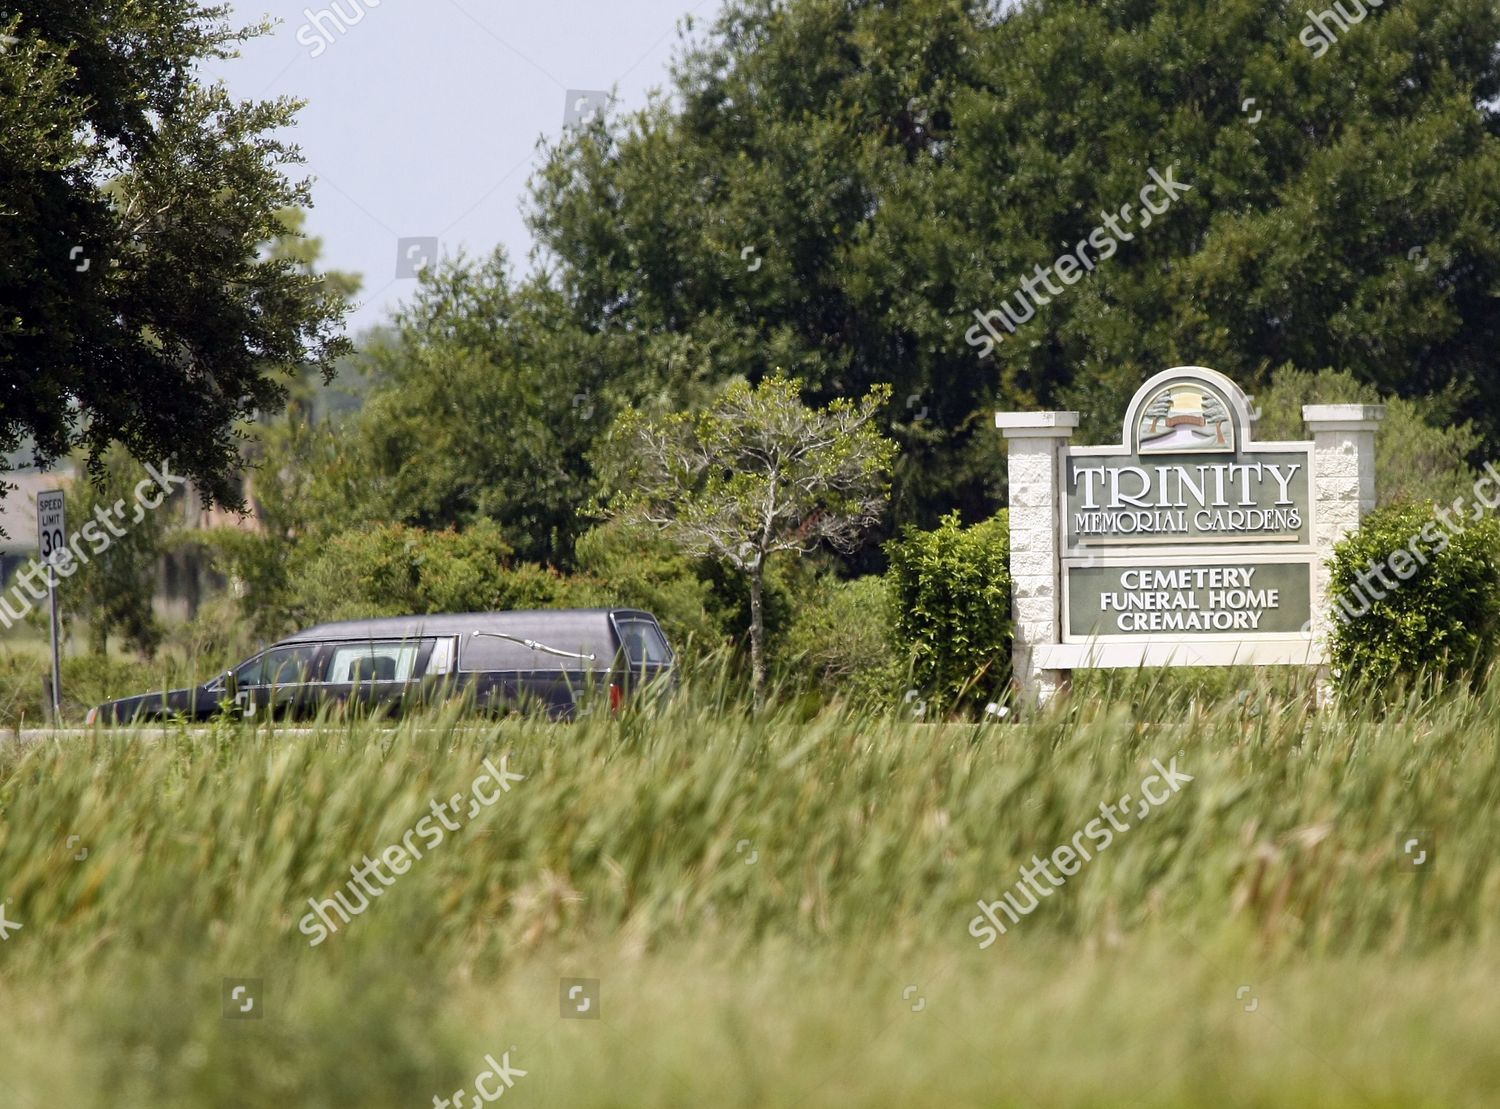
278	666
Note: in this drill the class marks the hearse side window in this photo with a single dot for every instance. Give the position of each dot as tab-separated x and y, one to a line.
441	660
278	666
553	650
643	641
373	662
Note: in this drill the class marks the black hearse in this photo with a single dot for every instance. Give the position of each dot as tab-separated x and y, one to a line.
557	661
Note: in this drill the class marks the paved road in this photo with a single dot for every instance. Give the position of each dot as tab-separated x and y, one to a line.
158	731
145	731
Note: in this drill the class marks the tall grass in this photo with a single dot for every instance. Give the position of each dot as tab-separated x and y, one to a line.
756	893
191	652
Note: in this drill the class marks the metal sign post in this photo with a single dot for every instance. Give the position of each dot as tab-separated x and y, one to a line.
51	537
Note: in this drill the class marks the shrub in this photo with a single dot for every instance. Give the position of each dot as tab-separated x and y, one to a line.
950	608
703	605
392	569
640	569
87	679
111	588
212	640
22	692
838	642
1412	599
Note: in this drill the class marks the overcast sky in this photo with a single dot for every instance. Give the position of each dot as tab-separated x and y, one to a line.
423	116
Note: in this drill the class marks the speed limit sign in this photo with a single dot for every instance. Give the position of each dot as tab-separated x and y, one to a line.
52	542
51	531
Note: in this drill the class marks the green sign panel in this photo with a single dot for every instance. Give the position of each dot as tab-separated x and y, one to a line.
1209	598
1187	473
1122	499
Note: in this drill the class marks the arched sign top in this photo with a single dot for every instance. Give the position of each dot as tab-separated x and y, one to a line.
1187	410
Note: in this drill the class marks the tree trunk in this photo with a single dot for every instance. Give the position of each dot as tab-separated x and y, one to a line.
757	633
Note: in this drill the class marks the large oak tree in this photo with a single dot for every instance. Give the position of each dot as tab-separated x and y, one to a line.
137	301
835	186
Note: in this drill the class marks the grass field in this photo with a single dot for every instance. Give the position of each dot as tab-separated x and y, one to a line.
776	910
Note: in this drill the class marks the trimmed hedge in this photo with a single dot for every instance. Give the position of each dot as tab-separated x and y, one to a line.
1415	598
950	609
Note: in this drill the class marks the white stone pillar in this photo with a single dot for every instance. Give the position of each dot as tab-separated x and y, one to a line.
1036	441
1343	490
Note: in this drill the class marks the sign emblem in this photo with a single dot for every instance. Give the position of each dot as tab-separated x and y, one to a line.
1186	417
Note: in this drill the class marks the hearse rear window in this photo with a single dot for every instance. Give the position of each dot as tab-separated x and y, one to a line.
643	641
377	662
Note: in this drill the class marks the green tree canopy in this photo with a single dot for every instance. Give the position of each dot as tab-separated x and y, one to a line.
836	186
136	302
484	405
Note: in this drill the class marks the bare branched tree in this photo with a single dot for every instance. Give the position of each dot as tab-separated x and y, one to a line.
755	474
